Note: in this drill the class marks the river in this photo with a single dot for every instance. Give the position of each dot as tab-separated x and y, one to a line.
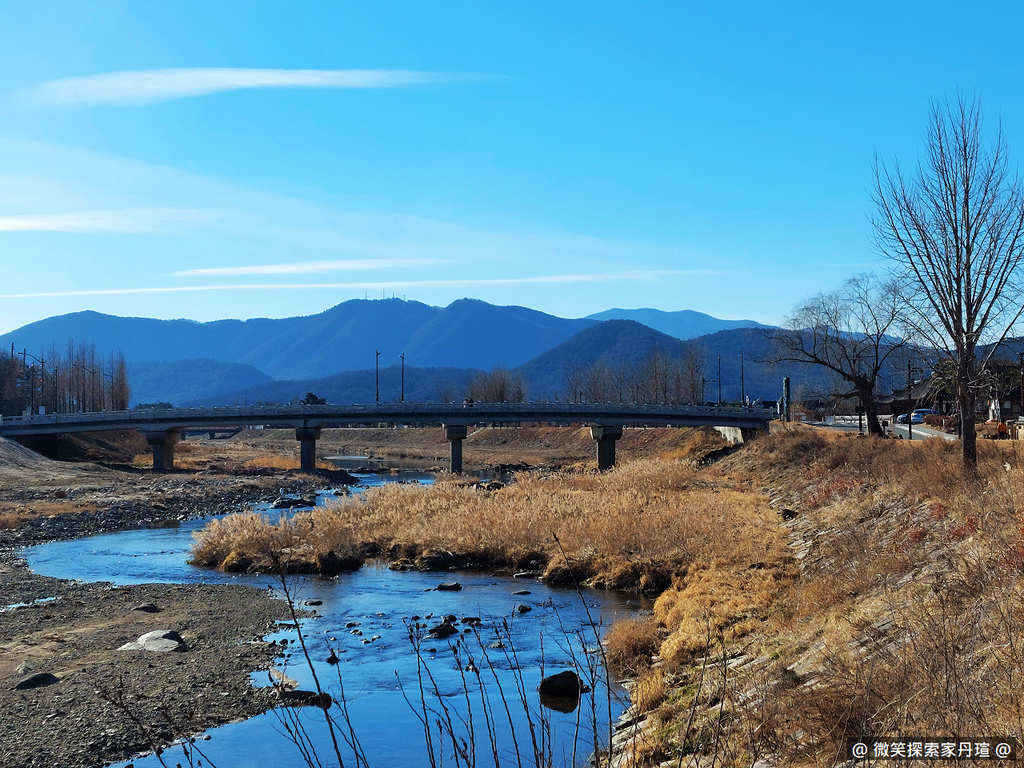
366	617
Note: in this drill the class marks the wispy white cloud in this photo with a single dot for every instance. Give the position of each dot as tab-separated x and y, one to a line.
308	267
95	222
150	86
375	286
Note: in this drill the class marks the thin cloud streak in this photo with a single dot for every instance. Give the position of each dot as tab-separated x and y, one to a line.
458	283
93	222
308	267
156	85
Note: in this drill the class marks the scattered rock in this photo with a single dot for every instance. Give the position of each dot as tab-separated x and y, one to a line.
38	680
146	608
25	668
522	592
443	630
452	586
158	641
523	608
299	698
281	680
313	602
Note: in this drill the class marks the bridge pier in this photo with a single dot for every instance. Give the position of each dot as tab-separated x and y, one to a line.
455	435
605	437
307	437
739	435
163	444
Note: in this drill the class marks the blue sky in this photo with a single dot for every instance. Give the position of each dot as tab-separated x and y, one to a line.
241	159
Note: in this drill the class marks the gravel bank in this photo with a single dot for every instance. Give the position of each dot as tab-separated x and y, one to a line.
108	705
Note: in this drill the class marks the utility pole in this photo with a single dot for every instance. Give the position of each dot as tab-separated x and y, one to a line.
403	377
1020	356
719	380
377	365
910	414
743	398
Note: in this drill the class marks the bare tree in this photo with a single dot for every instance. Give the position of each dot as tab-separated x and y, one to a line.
849	332
955	233
691	374
499	385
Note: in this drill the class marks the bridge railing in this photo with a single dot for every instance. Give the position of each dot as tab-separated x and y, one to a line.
254	412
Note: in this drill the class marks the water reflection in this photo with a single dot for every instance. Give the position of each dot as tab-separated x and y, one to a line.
390	677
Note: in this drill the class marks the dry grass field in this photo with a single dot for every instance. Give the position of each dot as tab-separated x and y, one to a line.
811	586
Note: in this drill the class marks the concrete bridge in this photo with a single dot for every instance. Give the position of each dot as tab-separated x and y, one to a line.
163	427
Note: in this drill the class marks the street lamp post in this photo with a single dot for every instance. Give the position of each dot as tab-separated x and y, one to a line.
910	389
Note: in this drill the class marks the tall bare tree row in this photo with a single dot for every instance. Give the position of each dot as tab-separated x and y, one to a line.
76	380
500	385
659	379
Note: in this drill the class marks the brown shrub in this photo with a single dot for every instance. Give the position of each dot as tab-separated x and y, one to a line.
649	691
630	644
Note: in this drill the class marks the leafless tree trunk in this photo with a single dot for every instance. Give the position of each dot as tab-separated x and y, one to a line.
955	232
850	332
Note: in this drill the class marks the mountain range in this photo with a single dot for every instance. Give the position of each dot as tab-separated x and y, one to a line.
334	353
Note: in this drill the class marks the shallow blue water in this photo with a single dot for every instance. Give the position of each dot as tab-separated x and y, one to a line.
546	639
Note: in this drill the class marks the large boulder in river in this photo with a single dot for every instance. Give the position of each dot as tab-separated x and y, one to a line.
563	685
158	641
437	559
331	563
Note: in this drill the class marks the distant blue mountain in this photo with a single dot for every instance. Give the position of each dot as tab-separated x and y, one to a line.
465	334
181	381
333	353
684	324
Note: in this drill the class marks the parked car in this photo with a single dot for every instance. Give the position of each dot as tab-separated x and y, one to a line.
915	418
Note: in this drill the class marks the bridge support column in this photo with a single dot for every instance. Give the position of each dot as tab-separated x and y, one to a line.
455	435
307	437
163	448
606	437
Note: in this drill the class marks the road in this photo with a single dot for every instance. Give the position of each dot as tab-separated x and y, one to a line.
920	431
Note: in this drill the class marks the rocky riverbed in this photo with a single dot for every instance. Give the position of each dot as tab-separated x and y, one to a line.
82	702
99	704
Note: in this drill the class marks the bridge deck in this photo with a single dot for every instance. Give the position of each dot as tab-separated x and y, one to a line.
150	420
163	427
